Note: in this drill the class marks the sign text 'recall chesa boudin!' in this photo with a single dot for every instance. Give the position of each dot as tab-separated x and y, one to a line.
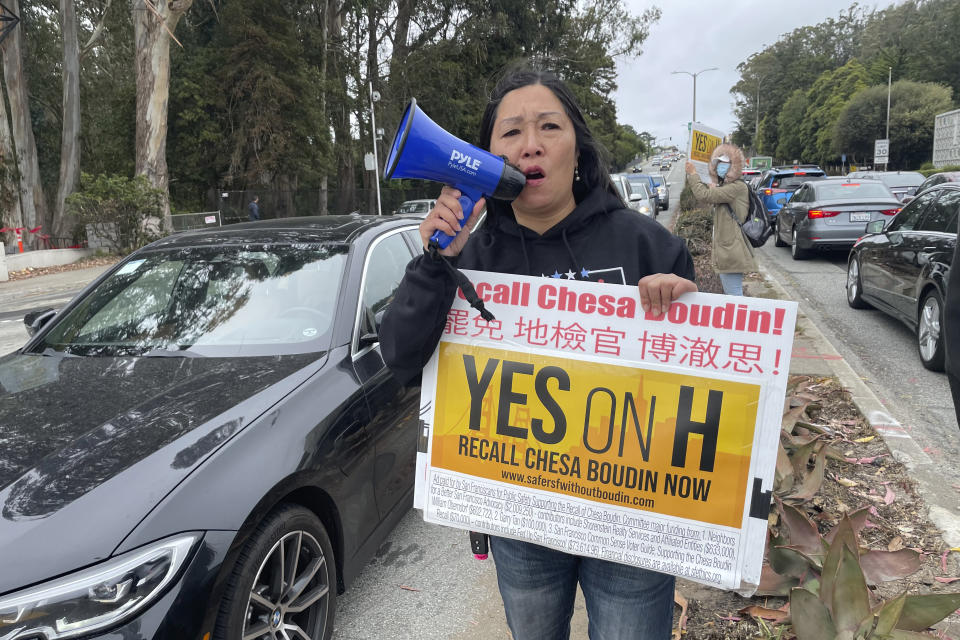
577	421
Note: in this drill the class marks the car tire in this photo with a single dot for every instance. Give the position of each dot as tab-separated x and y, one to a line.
930	331
855	285
796	252
257	598
777	240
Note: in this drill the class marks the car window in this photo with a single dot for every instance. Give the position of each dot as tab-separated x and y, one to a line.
385	267
828	190
210	301
794	181
907	219
906	179
939	214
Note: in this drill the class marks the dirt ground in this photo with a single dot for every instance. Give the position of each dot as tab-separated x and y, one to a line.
874	478
94	261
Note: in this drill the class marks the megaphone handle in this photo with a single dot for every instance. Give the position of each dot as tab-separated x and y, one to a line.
467	202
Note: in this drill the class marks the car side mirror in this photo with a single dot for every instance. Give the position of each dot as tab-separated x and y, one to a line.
876	226
635	197
37	320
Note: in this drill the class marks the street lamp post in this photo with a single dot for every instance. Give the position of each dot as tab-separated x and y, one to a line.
756	130
374	97
694	76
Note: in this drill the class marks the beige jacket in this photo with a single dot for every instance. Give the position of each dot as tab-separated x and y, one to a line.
731	251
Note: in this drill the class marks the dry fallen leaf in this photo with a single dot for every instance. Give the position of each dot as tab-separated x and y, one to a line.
681	628
847	482
896	544
865	439
889	497
403	586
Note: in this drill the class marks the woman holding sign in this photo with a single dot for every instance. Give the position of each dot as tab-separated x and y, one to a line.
568	222
732	256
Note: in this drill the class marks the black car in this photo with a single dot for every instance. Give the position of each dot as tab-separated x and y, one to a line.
901	267
206	443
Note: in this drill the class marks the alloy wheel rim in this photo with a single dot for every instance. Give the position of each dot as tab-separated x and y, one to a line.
793	245
288	599
929	330
853	277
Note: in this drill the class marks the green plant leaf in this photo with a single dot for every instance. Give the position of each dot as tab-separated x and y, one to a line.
850	598
790	563
774	584
799	530
814	561
883	566
889	614
858	520
811	620
923	611
844	538
783	478
812	482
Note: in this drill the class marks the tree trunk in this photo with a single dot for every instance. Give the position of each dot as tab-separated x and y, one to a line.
153	26
10	215
70	136
32	199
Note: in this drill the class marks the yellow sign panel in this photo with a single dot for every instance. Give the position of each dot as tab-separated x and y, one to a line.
703	144
669	443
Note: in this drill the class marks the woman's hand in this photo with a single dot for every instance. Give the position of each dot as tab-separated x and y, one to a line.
689	168
446	216
658	290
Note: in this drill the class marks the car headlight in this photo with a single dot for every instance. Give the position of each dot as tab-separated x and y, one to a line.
96	597
644	209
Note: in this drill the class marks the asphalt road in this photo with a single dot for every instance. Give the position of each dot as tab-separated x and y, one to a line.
881	350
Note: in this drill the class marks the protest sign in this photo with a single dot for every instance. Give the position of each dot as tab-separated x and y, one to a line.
703	140
577	421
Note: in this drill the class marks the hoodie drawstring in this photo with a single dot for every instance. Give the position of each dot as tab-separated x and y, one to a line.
566	243
463	282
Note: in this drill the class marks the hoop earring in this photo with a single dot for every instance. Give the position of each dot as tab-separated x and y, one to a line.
576	174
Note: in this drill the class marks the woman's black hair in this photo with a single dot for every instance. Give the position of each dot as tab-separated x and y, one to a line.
592	160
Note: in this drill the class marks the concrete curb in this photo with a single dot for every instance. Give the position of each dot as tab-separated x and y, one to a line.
897	438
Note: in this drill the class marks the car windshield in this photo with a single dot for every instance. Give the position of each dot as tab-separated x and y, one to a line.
794	181
639	185
846	190
208	301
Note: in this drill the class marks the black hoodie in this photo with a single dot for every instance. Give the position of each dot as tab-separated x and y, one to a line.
600	241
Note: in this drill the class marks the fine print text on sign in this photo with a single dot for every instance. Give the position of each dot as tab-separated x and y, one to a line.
579	422
703	140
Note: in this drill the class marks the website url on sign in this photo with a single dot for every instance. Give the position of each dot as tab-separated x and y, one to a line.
572	486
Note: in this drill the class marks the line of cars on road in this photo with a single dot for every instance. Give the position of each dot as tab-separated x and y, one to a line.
900	230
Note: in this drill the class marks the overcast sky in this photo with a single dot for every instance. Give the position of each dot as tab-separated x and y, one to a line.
696	34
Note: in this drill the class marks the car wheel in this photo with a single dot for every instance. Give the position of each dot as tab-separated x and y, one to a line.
855	285
929	335
284	582
777	240
795	251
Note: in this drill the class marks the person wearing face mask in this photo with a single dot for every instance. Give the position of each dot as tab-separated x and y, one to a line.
568	222
732	255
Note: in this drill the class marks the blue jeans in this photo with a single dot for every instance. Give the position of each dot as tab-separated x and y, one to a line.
732	283
538	586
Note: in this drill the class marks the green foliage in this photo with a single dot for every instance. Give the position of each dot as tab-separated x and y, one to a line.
124	212
928	170
790	125
913	39
913	107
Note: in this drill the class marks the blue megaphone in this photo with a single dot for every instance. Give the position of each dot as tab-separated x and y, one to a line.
423	150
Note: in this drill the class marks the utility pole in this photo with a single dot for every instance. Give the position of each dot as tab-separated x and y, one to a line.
694	76
374	97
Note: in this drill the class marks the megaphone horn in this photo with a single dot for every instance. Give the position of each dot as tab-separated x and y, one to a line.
423	150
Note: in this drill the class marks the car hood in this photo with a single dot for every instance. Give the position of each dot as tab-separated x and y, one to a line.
88	446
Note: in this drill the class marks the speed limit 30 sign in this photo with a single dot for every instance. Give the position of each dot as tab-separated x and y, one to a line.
881	151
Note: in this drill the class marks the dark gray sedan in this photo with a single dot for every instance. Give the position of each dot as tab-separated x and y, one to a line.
832	214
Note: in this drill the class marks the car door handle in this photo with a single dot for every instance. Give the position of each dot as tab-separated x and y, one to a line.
928	250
